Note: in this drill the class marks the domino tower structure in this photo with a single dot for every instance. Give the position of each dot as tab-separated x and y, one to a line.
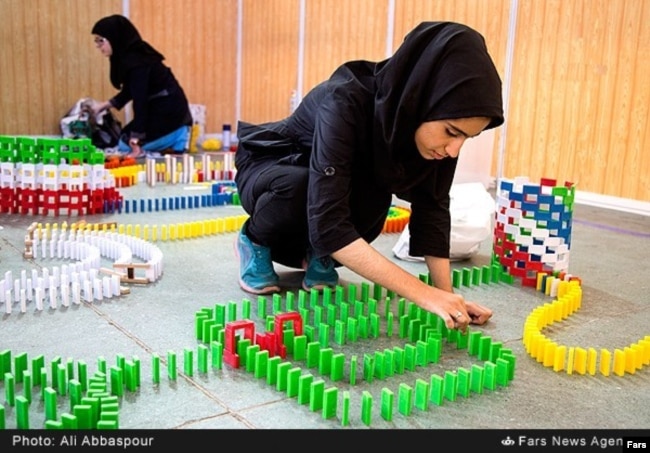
532	232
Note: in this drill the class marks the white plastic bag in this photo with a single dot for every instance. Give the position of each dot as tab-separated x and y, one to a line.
472	209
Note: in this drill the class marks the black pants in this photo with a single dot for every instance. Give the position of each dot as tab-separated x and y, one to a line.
275	197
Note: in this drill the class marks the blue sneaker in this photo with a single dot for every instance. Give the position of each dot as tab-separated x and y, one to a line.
256	273
320	273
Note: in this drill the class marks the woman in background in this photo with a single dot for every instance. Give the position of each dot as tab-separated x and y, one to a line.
161	113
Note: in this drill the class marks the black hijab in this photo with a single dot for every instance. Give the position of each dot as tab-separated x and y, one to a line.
442	70
129	50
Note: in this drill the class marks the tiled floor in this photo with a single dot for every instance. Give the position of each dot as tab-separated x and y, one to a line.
609	252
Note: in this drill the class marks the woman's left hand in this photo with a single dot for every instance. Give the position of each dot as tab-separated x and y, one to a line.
478	313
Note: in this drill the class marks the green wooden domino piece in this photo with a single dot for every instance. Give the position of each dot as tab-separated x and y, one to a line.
352	330
318	315
304	388
421	353
484	347
363	327
434	349
327	296
409	357
474	342
437	390
28	386
54	366
117	386
387	404
353	370
486	276
464	380
352	292
372	307
83	413
287	338
399	360
261	364
405	399
5	362
502	367
216	351
337	367
131	376
345	312
476	275
20	365
202	358
389	362
53	424
313	298
324	335
37	364
339	332
272	372
375	324
330	402
200	320
155	368
107	424
172	372
456	278
282	377
368	368
293	381
75	392
251	352
489	377
62	379
220	314
261	307
359	308
366	408
300	347
232	311
451	385
276	303
345	410
313	354
94	404
188	362
22	413
50	403
316	395
69	421
421	394
467	277
242	347
389	324
365	292
476	379
378	366
325	361
332	311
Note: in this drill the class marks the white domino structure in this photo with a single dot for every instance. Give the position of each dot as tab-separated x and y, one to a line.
80	280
